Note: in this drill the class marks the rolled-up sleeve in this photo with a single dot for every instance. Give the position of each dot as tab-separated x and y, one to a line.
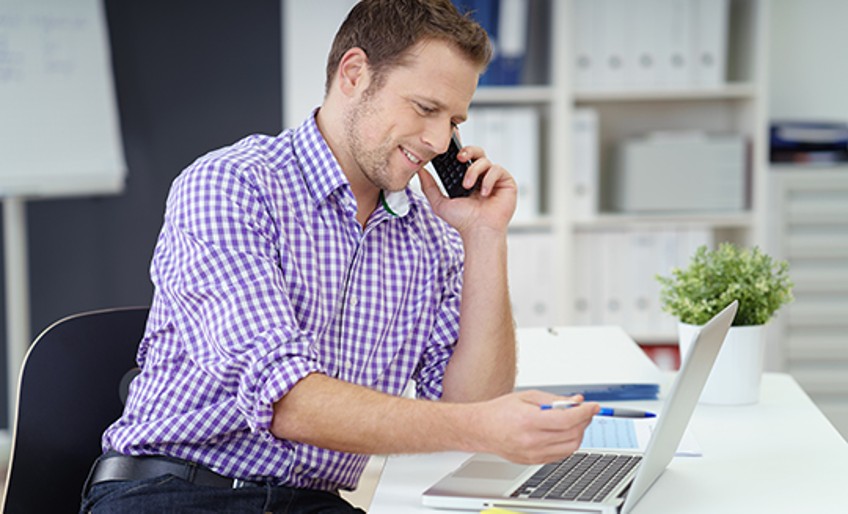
217	267
444	333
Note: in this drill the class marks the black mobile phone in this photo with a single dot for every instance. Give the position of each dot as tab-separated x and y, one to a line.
451	171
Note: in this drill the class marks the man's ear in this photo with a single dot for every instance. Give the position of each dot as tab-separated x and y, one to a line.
353	72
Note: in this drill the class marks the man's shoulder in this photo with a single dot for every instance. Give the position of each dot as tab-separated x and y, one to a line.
252	150
252	158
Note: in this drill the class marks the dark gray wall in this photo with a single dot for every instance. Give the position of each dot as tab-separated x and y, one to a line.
191	75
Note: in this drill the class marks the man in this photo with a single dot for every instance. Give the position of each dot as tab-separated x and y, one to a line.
300	286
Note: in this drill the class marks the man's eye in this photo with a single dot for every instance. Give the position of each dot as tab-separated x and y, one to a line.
425	109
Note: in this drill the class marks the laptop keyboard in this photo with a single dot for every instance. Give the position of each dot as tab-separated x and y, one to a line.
581	477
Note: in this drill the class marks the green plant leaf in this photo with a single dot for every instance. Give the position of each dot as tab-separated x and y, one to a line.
714	278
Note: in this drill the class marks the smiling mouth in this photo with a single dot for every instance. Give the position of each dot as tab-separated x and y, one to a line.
415	160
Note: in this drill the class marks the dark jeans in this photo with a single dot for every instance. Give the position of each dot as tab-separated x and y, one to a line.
168	494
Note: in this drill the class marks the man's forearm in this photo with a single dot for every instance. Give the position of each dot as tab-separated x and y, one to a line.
483	364
336	415
326	412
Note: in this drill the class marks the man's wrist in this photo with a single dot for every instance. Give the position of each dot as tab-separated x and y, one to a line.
460	417
483	236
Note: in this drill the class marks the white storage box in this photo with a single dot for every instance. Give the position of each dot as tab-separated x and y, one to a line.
680	172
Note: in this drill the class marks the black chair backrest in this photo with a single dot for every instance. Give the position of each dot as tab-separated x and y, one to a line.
68	394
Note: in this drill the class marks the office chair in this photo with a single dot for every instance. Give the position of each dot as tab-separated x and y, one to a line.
69	392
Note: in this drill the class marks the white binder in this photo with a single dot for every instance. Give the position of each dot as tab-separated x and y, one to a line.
586	168
530	257
614	269
586	307
614	40
644	47
675	65
710	19
586	25
643	289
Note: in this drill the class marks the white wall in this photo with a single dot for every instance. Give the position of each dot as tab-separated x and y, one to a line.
808	65
306	43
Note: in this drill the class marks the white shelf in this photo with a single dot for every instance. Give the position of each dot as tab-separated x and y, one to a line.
542	223
514	95
733	107
610	258
741	220
737	91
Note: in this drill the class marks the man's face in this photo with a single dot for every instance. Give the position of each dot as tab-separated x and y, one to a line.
393	130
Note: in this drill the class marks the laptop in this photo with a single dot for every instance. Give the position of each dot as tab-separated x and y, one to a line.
589	481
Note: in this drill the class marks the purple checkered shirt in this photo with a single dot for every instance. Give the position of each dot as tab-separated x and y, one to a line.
262	275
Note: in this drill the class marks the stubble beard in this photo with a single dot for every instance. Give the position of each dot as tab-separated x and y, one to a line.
372	162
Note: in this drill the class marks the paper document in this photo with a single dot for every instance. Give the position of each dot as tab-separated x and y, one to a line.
631	434
601	360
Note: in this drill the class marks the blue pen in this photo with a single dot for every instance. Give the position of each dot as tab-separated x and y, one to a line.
615	412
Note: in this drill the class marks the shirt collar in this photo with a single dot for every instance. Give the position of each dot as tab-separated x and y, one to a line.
323	173
395	203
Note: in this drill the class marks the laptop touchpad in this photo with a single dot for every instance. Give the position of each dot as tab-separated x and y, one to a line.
490	470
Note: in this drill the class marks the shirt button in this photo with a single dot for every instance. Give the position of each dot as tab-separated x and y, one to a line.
354	300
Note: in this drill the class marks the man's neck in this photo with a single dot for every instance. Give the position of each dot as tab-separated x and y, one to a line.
367	196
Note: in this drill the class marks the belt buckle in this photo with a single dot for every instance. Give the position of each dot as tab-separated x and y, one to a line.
238	483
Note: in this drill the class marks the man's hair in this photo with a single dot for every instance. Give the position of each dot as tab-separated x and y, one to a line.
386	30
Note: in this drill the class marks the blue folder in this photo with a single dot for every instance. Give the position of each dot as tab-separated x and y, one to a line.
604	392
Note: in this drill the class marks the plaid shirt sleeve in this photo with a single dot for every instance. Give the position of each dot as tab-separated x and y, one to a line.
430	372
217	266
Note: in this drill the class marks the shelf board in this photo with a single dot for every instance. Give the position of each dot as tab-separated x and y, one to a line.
731	91
541	223
801	169
513	95
742	220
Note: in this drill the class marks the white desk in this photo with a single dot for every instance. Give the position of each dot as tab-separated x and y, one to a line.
778	456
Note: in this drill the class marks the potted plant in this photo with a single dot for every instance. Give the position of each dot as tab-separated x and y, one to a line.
713	279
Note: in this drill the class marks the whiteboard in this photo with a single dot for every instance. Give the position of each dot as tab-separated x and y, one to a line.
59	128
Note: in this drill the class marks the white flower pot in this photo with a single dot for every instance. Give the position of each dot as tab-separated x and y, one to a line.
735	377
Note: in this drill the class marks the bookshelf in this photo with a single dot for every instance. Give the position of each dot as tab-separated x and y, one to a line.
735	105
548	258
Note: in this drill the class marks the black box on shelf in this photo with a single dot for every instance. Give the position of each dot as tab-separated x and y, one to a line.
808	142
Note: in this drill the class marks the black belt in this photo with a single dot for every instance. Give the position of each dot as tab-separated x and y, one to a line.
114	466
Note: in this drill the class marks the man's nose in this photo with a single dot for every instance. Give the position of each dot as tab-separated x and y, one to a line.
437	136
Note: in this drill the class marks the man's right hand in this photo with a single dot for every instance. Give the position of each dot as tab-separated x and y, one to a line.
515	427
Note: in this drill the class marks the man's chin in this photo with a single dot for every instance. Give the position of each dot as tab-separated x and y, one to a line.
397	187
394	189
